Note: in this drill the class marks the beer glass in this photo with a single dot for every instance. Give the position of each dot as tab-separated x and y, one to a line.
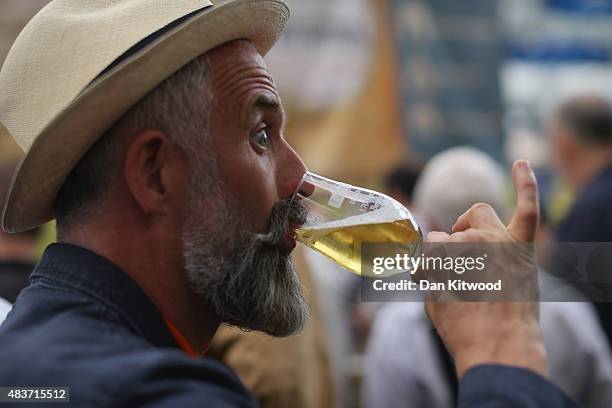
341	217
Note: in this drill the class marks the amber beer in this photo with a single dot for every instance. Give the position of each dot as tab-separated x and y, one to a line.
342	240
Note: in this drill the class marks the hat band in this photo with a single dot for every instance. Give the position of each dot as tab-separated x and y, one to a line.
148	40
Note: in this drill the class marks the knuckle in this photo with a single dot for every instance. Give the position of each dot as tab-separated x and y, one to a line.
529	184
435	236
474	236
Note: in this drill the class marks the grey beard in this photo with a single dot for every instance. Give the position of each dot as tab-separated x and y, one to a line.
246	279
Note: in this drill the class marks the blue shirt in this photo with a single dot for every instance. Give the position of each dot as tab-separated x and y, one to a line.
85	324
590	219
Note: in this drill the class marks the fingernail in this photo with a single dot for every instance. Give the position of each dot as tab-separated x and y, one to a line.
524	164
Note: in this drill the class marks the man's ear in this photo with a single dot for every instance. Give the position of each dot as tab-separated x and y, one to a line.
150	169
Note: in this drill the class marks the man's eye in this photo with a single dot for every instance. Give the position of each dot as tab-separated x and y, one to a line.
261	138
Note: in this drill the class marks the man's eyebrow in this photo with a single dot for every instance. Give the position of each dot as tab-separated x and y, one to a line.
266	102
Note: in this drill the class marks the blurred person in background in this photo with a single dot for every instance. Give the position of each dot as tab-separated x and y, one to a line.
581	135
18	252
400	183
407	364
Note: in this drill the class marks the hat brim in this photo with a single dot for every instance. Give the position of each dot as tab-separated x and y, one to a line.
65	140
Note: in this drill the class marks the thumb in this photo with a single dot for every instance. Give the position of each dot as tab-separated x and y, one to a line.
524	223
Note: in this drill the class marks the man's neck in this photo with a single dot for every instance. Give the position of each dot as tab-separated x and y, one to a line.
159	271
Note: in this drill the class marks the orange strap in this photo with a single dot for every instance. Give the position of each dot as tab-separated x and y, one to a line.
181	340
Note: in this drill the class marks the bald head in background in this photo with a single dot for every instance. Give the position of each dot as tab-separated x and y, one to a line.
456	179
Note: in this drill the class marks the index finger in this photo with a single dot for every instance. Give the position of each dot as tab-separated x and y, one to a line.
480	215
524	223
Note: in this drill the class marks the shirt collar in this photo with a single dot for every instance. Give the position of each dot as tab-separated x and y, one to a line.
104	282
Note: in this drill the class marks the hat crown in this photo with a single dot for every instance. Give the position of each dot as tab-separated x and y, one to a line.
65	47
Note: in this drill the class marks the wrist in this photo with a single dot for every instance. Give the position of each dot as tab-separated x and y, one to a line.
520	348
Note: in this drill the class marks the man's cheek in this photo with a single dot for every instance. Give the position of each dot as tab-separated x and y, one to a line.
257	212
254	187
261	204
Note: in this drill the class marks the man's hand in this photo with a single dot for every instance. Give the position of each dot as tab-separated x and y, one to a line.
498	332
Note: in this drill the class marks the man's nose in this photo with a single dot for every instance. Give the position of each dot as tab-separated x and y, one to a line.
292	170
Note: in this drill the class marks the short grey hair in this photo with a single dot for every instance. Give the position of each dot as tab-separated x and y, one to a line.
179	107
589	118
456	179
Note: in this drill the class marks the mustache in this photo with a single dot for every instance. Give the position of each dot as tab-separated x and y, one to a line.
285	214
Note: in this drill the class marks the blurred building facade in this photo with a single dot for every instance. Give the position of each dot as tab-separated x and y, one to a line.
449	56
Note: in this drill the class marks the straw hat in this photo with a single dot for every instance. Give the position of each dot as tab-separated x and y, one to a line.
79	65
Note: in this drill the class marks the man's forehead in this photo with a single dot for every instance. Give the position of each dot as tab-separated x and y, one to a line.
240	76
234	53
236	62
